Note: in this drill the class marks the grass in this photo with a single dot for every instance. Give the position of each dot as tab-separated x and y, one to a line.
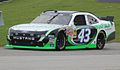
24	11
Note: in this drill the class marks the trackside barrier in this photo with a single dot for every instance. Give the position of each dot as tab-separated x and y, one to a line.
1	19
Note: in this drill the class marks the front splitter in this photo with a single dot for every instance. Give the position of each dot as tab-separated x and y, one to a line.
29	47
52	47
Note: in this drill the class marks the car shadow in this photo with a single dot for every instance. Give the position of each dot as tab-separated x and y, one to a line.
86	49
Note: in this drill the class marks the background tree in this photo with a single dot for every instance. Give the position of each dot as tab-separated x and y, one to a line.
3	0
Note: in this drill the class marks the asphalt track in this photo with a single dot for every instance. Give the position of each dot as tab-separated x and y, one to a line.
19	59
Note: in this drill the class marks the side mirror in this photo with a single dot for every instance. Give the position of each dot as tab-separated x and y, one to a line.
1	19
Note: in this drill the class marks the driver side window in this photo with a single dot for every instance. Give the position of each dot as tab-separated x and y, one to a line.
79	20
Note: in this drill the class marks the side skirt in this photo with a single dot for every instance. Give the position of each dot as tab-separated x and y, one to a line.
81	46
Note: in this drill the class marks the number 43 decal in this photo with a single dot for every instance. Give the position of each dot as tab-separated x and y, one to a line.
84	35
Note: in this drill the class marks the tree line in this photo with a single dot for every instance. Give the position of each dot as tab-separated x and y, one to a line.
3	0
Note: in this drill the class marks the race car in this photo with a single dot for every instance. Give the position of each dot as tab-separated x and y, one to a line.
61	30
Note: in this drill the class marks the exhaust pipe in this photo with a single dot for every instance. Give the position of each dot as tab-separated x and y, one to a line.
1	19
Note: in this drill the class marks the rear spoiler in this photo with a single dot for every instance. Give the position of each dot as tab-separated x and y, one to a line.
1	19
107	18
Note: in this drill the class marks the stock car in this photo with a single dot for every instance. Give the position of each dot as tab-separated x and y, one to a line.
61	30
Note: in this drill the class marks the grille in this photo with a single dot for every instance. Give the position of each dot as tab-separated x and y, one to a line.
26	39
26	43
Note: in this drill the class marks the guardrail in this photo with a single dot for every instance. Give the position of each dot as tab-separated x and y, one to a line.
1	19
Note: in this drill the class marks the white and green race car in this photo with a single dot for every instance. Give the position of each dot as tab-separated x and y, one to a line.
63	30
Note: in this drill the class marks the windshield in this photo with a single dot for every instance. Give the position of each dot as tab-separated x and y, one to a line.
62	19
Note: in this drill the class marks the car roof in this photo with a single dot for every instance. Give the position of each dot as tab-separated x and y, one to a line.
64	12
60	12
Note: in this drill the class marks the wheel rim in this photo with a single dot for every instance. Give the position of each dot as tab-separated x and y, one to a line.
100	43
60	42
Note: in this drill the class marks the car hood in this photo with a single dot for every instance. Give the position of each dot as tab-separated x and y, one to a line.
36	27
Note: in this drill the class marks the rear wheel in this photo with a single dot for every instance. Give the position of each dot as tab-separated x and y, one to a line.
101	41
60	42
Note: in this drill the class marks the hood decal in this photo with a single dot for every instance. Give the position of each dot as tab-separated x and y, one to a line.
36	27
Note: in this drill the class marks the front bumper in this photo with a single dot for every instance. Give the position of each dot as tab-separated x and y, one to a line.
47	44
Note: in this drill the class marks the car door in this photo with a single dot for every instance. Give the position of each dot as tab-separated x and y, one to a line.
84	32
79	22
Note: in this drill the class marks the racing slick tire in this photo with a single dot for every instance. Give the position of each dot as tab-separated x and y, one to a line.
100	41
60	42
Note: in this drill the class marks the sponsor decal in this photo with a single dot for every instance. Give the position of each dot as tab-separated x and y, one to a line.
69	32
75	34
51	40
23	38
103	26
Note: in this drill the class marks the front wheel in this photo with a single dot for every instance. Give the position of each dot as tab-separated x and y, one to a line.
60	42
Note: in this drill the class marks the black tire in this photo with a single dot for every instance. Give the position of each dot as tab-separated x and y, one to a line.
60	42
101	41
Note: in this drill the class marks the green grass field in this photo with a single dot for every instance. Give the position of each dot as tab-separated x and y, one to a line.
24	11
